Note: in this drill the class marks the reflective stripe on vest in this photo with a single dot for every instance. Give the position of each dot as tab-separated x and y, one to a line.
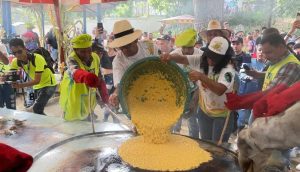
274	69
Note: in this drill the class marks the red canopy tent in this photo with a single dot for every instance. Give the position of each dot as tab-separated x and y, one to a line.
80	2
58	3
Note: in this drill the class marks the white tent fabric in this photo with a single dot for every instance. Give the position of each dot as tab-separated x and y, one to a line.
184	19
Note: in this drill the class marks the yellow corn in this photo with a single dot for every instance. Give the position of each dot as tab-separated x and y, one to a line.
152	105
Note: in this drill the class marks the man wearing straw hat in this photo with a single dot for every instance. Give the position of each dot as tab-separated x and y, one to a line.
129	51
80	80
214	29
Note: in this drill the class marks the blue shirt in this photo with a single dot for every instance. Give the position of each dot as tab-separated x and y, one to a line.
248	84
257	65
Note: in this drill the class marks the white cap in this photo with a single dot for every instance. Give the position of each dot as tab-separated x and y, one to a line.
218	45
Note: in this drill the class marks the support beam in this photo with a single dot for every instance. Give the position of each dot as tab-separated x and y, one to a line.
6	17
99	13
43	20
84	18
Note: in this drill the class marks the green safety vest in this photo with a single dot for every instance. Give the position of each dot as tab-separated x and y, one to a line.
74	97
3	68
274	69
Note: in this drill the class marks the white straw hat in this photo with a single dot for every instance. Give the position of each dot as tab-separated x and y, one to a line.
214	25
124	34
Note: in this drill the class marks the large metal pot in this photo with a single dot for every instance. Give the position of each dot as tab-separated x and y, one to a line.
98	152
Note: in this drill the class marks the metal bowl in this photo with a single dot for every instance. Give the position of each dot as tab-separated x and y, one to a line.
98	152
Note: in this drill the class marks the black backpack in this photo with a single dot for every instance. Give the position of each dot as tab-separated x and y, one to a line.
44	53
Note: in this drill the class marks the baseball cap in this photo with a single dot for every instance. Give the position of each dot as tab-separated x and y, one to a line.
164	37
237	39
217	49
296	46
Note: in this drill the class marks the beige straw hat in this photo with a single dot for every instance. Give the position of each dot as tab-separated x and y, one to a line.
124	34
214	25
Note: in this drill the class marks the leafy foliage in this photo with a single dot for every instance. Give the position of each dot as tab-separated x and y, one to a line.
287	8
123	9
248	19
162	7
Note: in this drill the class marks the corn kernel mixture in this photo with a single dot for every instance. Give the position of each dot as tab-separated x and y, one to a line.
152	105
178	154
154	109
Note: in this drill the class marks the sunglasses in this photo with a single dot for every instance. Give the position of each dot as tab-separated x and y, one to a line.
17	52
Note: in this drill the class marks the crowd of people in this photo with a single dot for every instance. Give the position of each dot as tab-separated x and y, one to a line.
232	71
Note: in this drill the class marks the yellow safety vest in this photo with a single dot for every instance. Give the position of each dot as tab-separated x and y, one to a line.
274	69
3	68
74	97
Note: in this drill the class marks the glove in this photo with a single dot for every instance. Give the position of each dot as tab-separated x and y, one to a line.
283	100
14	160
260	107
235	102
103	91
90	79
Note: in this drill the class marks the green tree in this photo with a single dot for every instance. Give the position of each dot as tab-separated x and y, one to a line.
287	8
172	7
123	9
162	6
206	10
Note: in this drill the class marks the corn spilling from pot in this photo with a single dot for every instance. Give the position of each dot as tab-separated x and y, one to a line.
155	105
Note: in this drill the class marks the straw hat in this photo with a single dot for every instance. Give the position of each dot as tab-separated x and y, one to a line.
124	34
214	25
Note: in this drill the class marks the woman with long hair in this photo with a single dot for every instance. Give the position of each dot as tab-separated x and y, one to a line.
214	73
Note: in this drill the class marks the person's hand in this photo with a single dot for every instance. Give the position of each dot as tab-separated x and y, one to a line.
16	85
296	25
166	57
113	100
92	80
2	78
98	32
194	75
2	54
252	73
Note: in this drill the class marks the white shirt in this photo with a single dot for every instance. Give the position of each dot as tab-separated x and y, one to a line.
211	101
121	62
3	49
197	53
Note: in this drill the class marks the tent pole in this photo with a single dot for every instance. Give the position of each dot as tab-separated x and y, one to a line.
42	22
6	17
99	13
59	24
84	18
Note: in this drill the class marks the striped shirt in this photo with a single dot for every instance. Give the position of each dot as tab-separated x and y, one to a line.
288	74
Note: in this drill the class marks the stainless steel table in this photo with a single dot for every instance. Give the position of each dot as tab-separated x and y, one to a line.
40	132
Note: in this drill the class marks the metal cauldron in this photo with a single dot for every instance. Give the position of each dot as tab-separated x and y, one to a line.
98	153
